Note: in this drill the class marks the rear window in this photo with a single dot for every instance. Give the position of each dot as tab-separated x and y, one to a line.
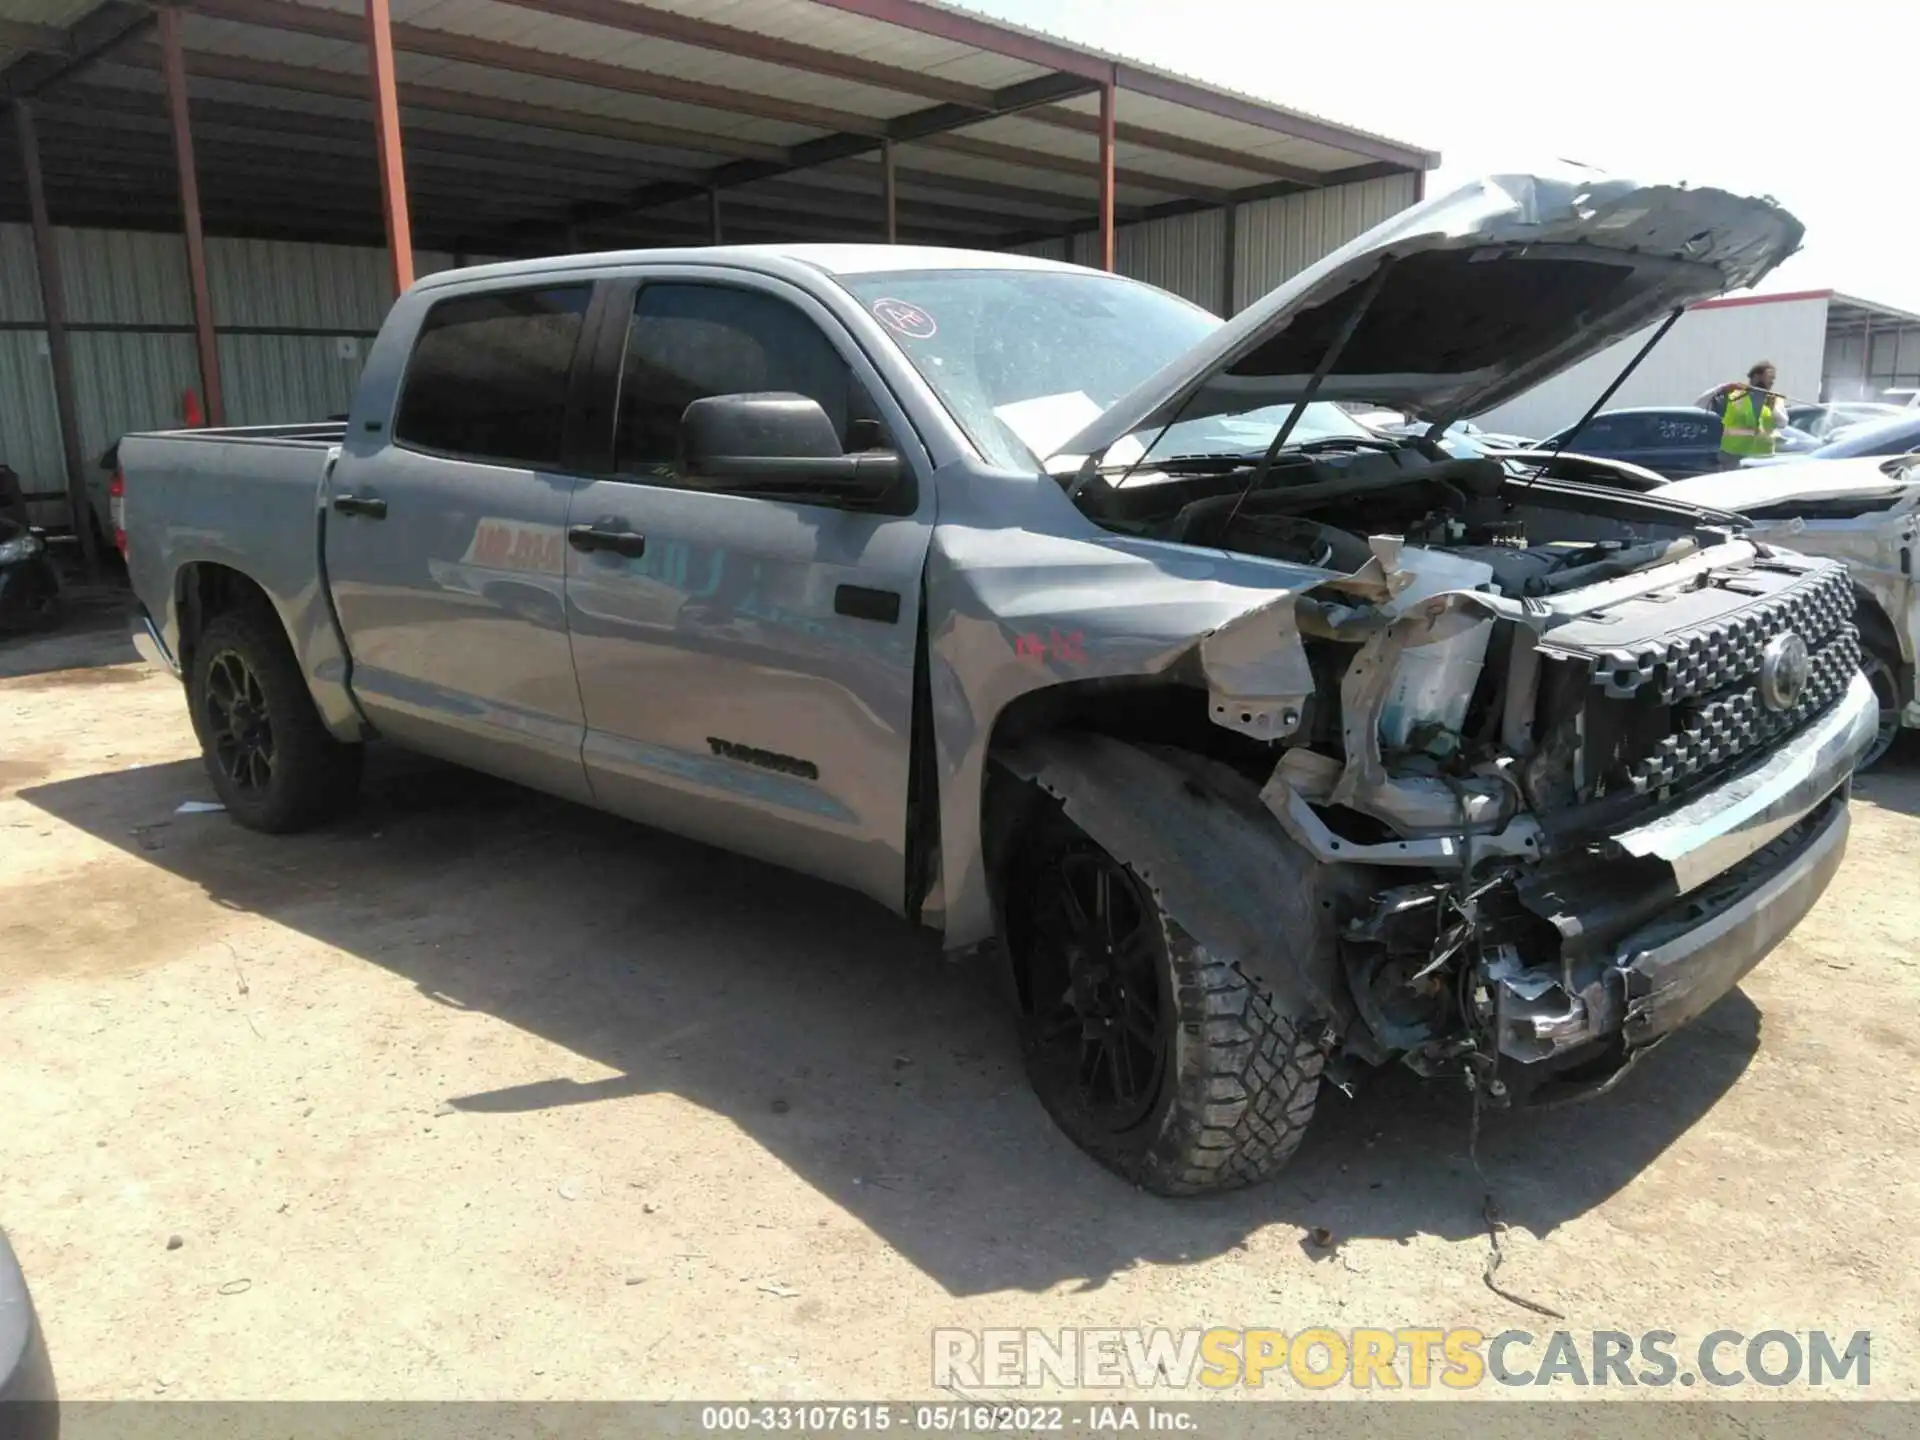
489	374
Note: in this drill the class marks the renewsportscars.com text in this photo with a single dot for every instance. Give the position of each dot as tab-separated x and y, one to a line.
1320	1358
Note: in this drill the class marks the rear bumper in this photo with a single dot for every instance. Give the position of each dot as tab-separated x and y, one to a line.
151	648
1742	864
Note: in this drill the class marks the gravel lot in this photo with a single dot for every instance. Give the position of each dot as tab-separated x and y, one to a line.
481	1095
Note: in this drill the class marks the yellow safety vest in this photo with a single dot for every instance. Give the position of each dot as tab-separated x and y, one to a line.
1742	432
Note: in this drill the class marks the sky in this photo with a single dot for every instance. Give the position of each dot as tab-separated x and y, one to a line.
1815	105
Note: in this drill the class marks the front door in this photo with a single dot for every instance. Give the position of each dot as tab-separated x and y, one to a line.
747	663
445	540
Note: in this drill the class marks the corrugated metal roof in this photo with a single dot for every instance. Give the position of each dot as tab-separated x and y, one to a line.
614	116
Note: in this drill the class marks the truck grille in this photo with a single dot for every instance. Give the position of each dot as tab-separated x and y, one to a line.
1734	721
1672	705
1721	653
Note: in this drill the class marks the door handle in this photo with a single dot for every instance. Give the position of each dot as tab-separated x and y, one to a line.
620	542
370	506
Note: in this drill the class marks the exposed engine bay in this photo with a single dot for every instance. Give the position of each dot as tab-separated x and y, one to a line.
1499	677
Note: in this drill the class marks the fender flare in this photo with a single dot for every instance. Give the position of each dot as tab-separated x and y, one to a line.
1215	858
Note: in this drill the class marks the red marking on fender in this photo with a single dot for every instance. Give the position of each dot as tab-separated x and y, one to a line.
1068	648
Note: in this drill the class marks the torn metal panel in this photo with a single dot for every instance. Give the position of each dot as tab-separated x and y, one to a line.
1214	859
1441	852
1258	679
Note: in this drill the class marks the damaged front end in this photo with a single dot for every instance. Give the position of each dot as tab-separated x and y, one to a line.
1587	808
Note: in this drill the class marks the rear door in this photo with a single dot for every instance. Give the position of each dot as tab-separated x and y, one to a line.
445	538
746	663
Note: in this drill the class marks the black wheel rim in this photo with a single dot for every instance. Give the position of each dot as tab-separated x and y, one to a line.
1099	1030
1880	675
238	729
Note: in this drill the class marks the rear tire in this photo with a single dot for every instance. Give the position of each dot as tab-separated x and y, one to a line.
271	759
1885	680
1158	1058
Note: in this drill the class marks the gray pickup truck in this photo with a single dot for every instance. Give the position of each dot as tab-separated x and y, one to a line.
1061	617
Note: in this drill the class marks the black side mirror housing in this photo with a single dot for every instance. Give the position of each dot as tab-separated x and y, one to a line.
777	442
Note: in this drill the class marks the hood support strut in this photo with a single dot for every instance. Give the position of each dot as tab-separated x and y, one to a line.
1621	379
1314	382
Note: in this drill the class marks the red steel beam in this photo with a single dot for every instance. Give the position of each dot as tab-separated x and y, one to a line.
54	305
1106	174
173	67
386	130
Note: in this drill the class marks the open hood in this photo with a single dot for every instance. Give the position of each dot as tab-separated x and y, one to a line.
1488	291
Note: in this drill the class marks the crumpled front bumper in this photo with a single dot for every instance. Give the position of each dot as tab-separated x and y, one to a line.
1736	868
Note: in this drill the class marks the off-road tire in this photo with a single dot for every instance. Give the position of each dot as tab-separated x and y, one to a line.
314	776
1239	1081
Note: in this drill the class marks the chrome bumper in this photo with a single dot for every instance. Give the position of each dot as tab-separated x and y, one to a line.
147	641
1671	974
1739	817
1749	858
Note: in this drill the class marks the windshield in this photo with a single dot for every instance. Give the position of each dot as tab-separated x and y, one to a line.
1023	359
1248	433
1894	436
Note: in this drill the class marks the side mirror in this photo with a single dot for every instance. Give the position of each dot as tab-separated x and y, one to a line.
777	442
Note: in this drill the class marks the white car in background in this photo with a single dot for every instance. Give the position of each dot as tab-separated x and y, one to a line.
1865	513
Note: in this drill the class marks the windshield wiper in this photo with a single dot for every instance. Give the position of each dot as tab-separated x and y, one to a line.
1212	462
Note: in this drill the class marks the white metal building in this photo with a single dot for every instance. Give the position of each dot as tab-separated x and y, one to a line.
1825	345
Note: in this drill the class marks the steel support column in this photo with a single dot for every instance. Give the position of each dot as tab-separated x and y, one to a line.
1107	93
173	67
1229	242
54	306
386	131
890	187
713	215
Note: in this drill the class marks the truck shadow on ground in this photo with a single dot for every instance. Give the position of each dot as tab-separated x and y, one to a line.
1894	784
839	1039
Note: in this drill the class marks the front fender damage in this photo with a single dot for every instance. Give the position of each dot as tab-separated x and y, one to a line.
1218	863
1259	682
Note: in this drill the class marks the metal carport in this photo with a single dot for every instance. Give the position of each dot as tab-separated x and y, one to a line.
505	127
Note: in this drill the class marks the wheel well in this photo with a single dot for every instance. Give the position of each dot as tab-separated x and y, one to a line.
1142	710
1878	636
204	590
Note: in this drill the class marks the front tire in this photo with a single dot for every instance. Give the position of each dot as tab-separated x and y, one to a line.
272	762
1158	1058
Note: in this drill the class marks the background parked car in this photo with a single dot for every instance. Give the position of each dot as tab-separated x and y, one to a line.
1825	422
1897	434
29	1402
1675	440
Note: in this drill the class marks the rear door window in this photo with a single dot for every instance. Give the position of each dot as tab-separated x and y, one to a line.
489	376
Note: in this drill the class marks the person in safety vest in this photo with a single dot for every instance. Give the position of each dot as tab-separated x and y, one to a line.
1751	414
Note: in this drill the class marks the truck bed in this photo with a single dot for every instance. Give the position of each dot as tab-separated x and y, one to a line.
251	499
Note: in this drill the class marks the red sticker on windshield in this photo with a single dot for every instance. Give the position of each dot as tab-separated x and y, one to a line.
905	319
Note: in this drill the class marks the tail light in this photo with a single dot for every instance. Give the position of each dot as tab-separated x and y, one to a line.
117	511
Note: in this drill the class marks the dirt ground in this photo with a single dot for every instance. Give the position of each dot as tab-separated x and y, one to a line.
482	1095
